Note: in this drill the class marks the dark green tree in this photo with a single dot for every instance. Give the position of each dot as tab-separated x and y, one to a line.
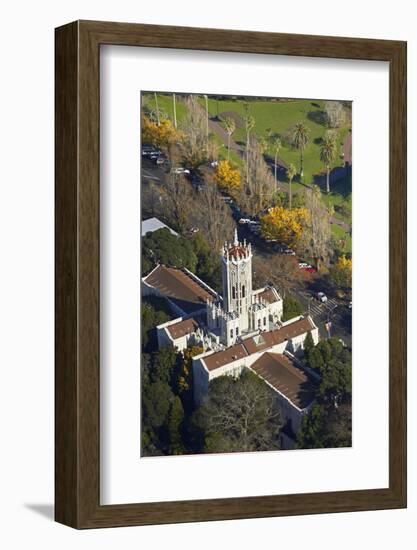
175	421
308	342
164	365
292	308
163	247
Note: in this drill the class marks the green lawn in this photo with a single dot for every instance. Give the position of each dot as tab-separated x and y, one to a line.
280	116
340	235
166	104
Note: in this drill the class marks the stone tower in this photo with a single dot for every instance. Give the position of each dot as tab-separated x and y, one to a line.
237	280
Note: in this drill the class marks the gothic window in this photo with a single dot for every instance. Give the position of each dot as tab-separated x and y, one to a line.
237	331
264	321
233	292
231	333
259	323
243	291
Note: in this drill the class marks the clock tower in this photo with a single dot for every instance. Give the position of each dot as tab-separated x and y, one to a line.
237	280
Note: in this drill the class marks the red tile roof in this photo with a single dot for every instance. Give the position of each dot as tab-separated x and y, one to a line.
268	295
284	376
180	287
220	358
182	328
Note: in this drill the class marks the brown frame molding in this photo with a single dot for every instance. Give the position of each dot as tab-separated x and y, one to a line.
77	274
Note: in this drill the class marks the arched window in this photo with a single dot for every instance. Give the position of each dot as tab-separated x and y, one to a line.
243	291
231	333
233	292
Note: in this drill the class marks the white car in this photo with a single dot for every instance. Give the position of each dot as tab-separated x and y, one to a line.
180	170
289	252
321	297
303	265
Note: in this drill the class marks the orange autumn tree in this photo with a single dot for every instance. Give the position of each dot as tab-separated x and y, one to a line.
160	135
284	225
227	177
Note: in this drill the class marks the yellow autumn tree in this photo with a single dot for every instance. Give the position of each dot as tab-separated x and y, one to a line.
341	272
185	370
161	135
227	177
284	225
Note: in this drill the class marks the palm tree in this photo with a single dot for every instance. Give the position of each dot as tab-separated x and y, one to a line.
327	154
291	171
230	126
174	108
157	109
300	140
276	144
249	124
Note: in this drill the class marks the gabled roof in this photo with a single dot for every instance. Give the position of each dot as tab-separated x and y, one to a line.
279	371
180	287
221	358
187	326
268	295
260	342
266	340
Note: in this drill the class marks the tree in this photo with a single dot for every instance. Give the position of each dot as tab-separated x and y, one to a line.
150	318
175	420
308	342
284	225
195	135
335	114
183	382
174	110
327	154
240	414
227	177
177	201
230	126
249	124
260	186
164	366
341	272
300	138
161	134
216	223
157	109
156	403
291	308
291	171
276	144
316	236
208	262
280	271
162	247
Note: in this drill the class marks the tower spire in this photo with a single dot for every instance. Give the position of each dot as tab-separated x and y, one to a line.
236	242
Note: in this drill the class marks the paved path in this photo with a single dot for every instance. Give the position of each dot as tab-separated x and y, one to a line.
218	129
347	148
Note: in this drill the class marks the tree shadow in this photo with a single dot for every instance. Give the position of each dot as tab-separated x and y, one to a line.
340	180
319	117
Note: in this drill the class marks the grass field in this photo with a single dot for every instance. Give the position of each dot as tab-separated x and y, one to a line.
280	116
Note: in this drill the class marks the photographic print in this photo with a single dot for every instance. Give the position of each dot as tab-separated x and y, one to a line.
246	273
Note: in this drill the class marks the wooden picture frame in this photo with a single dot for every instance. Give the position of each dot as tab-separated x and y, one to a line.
77	406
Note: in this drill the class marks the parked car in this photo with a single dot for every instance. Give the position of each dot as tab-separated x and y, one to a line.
321	297
311	269
180	170
288	252
160	160
303	265
244	220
